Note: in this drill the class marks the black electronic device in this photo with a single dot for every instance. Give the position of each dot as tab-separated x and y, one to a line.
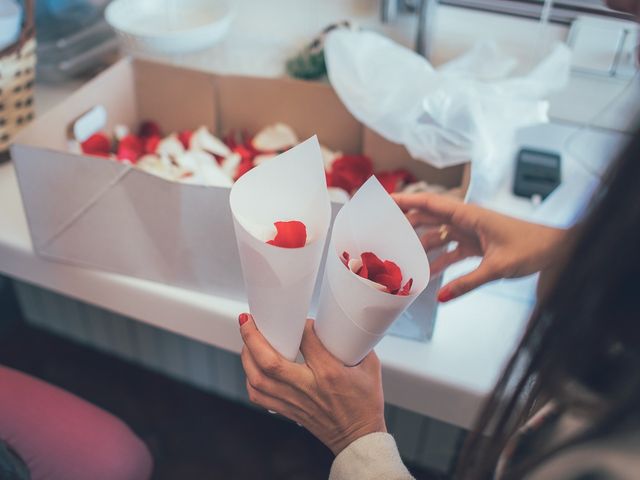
537	173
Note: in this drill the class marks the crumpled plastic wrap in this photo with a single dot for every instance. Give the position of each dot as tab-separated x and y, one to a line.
467	109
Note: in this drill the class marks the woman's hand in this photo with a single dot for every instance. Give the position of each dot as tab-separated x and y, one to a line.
509	247
337	404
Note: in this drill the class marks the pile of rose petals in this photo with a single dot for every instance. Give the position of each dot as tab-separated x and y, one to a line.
199	157
385	275
291	234
191	156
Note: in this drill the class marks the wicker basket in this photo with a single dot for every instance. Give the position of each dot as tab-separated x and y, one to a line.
17	74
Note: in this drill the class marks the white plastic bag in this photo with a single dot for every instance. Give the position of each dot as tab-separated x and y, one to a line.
465	110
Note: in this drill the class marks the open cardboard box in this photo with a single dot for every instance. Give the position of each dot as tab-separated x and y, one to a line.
97	213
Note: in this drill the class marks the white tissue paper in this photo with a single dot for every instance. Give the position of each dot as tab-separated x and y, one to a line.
353	316
467	109
280	281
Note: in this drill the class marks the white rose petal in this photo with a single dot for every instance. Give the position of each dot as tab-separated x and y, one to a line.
170	146
205	168
157	166
354	264
375	285
188	160
230	164
338	195
422	186
275	138
120	131
203	139
214	176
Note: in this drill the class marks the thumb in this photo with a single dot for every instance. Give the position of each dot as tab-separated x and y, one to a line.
313	351
464	284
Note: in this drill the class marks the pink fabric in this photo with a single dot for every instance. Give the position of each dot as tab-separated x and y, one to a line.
62	437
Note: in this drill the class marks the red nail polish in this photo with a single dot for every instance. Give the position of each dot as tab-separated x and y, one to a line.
445	294
242	319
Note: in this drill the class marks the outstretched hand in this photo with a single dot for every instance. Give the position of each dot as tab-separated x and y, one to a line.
509	247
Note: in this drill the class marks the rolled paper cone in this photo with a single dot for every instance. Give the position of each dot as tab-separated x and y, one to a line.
352	315
280	281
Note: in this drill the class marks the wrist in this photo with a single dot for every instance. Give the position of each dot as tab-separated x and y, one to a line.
553	247
356	433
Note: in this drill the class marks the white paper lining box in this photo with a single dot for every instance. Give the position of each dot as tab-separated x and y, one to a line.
98	213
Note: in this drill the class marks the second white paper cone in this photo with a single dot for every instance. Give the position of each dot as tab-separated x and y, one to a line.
353	316
280	281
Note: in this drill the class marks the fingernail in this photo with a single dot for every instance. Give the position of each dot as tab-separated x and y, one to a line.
242	319
445	294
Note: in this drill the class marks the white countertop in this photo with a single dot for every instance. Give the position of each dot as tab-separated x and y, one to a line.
446	378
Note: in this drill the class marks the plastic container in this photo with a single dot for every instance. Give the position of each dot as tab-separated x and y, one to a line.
73	39
17	67
10	16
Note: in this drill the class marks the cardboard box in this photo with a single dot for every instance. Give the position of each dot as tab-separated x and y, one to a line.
98	213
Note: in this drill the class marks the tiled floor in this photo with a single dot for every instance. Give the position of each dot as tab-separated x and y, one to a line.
192	434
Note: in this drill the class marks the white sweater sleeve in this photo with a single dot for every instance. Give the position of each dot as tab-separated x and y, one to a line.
372	457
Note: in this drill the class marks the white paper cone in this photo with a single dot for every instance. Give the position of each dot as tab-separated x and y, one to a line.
280	281
353	316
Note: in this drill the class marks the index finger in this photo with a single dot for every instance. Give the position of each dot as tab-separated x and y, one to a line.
267	359
430	203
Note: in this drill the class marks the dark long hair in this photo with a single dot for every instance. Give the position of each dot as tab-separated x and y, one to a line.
584	331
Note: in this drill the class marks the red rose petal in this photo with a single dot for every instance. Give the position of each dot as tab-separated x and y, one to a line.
149	129
245	150
388	180
404	291
329	178
349	172
246	154
363	272
395	180
230	140
243	168
97	144
373	265
292	234
151	143
387	273
346	180
185	137
127	155
391	278
130	148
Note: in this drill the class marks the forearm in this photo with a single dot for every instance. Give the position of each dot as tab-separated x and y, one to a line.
372	457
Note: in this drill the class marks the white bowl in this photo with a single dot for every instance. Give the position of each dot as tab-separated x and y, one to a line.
169	27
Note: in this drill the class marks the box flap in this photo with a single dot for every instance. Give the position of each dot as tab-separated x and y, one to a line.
159	230
176	98
57	186
104	214
113	89
388	156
